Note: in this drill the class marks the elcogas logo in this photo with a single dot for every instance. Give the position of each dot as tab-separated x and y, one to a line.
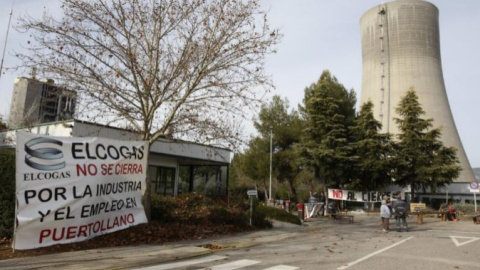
43	153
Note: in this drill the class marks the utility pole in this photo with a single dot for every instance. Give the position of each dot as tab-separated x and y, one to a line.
6	38
270	189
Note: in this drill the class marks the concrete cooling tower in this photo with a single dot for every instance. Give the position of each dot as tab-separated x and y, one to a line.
401	50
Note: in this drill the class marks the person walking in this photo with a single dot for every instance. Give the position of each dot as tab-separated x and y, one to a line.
400	209
385	216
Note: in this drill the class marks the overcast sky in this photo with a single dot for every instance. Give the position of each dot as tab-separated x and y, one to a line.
325	34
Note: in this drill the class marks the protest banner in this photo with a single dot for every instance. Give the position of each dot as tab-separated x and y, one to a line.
356	196
72	189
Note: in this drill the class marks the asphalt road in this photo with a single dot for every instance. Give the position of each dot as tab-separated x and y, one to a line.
320	243
325	244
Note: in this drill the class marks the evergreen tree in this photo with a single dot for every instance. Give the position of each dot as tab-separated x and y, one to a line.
422	159
255	163
237	178
285	127
329	109
372	152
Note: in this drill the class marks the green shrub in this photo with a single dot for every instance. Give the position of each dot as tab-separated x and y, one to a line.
185	208
278	214
196	209
259	219
464	208
7	192
231	216
162	209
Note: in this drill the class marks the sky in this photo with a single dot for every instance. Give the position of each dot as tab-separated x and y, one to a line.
320	35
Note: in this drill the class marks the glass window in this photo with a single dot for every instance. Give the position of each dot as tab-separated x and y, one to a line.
208	180
184	177
162	180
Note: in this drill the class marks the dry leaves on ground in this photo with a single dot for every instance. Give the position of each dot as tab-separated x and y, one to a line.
152	233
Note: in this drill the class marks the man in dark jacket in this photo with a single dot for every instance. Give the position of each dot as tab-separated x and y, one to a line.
400	209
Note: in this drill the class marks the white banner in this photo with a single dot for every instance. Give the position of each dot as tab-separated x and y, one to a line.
73	189
356	196
312	209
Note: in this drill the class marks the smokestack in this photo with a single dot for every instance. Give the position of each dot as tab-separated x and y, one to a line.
400	50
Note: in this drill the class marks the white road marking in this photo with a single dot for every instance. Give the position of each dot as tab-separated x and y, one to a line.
458	244
184	263
454	231
282	267
373	254
233	265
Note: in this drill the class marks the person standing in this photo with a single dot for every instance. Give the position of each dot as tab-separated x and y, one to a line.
400	210
389	204
385	216
452	213
313	198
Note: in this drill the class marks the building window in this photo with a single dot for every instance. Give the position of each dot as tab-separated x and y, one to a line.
48	104
162	180
208	180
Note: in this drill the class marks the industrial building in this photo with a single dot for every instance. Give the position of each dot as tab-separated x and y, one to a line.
39	101
400	51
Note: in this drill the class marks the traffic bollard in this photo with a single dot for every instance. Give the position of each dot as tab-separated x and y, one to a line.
300	211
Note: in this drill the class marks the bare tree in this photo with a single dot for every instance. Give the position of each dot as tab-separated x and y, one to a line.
188	66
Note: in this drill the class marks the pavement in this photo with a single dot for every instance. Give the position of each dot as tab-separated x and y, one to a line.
146	255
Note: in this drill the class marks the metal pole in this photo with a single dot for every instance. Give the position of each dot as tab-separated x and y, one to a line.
475	200
6	38
251	209
271	139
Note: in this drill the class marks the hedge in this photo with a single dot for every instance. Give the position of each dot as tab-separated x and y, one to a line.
278	214
7	192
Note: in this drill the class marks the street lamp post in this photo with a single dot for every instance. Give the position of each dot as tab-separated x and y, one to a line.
271	139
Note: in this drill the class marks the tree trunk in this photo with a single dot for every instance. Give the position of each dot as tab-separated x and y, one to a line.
147	196
412	192
325	193
293	189
148	200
